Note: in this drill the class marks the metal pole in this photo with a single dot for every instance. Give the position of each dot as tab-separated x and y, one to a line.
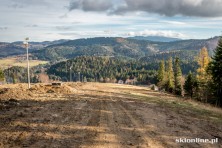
70	74
27	54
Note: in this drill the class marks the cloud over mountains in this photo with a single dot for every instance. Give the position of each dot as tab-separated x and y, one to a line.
90	5
198	8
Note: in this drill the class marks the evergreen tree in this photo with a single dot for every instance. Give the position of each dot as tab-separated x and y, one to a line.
170	76
215	69
190	84
161	74
2	77
177	78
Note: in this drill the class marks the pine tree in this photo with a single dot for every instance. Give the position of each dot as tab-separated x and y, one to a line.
161	74
190	84
170	76
215	69
2	77
177	78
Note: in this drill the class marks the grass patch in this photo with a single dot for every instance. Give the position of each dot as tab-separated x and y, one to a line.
17	61
180	106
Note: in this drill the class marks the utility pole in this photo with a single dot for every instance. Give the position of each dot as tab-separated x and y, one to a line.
26	43
70	73
95	77
79	76
74	77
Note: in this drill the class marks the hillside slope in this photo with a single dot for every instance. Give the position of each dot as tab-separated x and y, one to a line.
155	38
132	48
17	48
7	49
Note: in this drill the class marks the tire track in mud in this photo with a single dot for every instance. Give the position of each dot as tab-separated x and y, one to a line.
167	125
107	136
66	123
139	128
128	135
64	118
119	127
84	119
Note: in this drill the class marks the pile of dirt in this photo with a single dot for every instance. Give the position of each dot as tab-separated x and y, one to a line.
48	88
3	90
18	91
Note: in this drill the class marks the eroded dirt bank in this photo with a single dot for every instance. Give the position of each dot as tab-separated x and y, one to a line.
101	116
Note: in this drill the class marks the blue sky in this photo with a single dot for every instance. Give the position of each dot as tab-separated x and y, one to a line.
71	19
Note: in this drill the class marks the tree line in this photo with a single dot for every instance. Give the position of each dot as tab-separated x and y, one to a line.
103	69
170	77
204	84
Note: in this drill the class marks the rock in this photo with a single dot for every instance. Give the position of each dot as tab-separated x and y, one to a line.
20	114
50	91
129	143
3	90
11	102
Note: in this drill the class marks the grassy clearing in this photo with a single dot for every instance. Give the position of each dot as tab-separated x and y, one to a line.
17	61
182	106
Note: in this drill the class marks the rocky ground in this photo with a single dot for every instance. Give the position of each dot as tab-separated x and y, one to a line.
102	115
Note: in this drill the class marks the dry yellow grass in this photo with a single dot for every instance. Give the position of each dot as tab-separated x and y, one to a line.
17	61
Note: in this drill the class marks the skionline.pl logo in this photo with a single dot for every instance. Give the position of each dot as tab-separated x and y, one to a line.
196	140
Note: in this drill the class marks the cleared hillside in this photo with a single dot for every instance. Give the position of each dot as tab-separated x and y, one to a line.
102	115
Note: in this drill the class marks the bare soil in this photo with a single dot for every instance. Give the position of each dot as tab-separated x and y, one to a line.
97	115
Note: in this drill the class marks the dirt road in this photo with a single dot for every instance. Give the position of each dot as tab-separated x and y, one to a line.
94	115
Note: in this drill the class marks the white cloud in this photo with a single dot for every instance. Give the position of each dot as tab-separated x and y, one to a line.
165	33
174	22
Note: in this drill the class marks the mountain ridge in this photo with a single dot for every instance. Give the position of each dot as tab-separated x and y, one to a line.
107	46
156	38
104	46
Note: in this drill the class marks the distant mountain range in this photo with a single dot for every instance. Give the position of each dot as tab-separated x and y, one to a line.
155	38
125	47
102	46
17	48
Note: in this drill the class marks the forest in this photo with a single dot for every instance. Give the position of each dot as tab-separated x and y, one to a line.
182	72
